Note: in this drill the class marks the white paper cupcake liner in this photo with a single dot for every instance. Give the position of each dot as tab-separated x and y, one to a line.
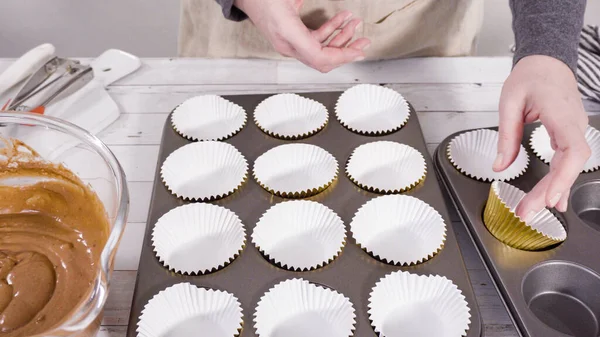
297	307
208	117
204	171
399	229
290	116
372	109
405	304
473	153
184	310
541	146
499	217
386	167
300	235
295	170
198	238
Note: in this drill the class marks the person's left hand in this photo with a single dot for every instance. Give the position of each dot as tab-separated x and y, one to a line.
544	88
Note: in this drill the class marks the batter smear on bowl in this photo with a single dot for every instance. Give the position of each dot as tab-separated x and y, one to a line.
53	229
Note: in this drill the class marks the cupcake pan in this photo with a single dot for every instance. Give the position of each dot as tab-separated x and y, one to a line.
551	292
352	273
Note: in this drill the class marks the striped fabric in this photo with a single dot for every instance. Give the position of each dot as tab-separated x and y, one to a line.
588	64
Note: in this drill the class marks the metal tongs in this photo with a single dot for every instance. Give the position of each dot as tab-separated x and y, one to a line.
55	80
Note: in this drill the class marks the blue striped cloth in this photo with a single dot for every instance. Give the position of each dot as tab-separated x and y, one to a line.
588	64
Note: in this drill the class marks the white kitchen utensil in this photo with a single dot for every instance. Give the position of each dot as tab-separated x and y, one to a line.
26	65
90	108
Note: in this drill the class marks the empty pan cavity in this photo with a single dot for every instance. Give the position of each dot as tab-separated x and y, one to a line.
585	200
565	296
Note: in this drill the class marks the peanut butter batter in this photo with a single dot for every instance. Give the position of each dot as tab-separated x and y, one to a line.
52	231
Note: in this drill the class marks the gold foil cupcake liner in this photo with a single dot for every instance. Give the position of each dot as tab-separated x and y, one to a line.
541	146
386	167
399	229
295	170
204	171
473	154
208	117
297	307
544	230
198	238
183	308
372	110
401	303
300	235
290	116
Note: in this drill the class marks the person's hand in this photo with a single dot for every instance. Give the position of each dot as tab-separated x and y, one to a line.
544	88
280	23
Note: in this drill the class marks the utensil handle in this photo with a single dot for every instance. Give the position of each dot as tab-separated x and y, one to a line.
25	66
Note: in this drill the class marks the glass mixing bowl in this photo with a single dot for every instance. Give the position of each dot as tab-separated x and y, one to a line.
91	160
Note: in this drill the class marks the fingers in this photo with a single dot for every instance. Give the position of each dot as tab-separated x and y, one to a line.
333	24
533	201
573	152
510	128
360	44
304	45
347	33
563	202
554	189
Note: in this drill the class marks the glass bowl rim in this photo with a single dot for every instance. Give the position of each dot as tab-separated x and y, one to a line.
87	311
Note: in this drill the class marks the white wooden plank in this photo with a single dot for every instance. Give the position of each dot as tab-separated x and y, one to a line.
135	129
130	248
412	70
423	97
138	162
437	126
112	331
139	201
177	71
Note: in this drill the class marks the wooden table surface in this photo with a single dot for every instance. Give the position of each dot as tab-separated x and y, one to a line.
449	95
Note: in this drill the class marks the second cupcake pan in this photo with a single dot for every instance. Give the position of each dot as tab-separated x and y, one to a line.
353	273
554	292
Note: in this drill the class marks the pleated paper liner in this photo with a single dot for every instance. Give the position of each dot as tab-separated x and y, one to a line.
208	117
295	170
184	310
399	229
473	153
204	171
405	304
296	307
541	146
198	238
386	167
372	109
300	235
543	231
290	116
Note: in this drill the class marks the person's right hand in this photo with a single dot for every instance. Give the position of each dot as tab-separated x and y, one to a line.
279	21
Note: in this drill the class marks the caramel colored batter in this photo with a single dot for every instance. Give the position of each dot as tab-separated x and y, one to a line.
52	232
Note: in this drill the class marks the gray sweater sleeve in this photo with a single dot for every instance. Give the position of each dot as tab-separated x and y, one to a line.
231	12
548	27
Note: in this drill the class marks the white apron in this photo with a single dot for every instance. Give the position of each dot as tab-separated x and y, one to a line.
396	28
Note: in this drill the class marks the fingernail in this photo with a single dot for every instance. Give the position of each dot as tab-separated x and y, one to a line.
561	208
555	199
530	216
359	58
498	160
367	46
